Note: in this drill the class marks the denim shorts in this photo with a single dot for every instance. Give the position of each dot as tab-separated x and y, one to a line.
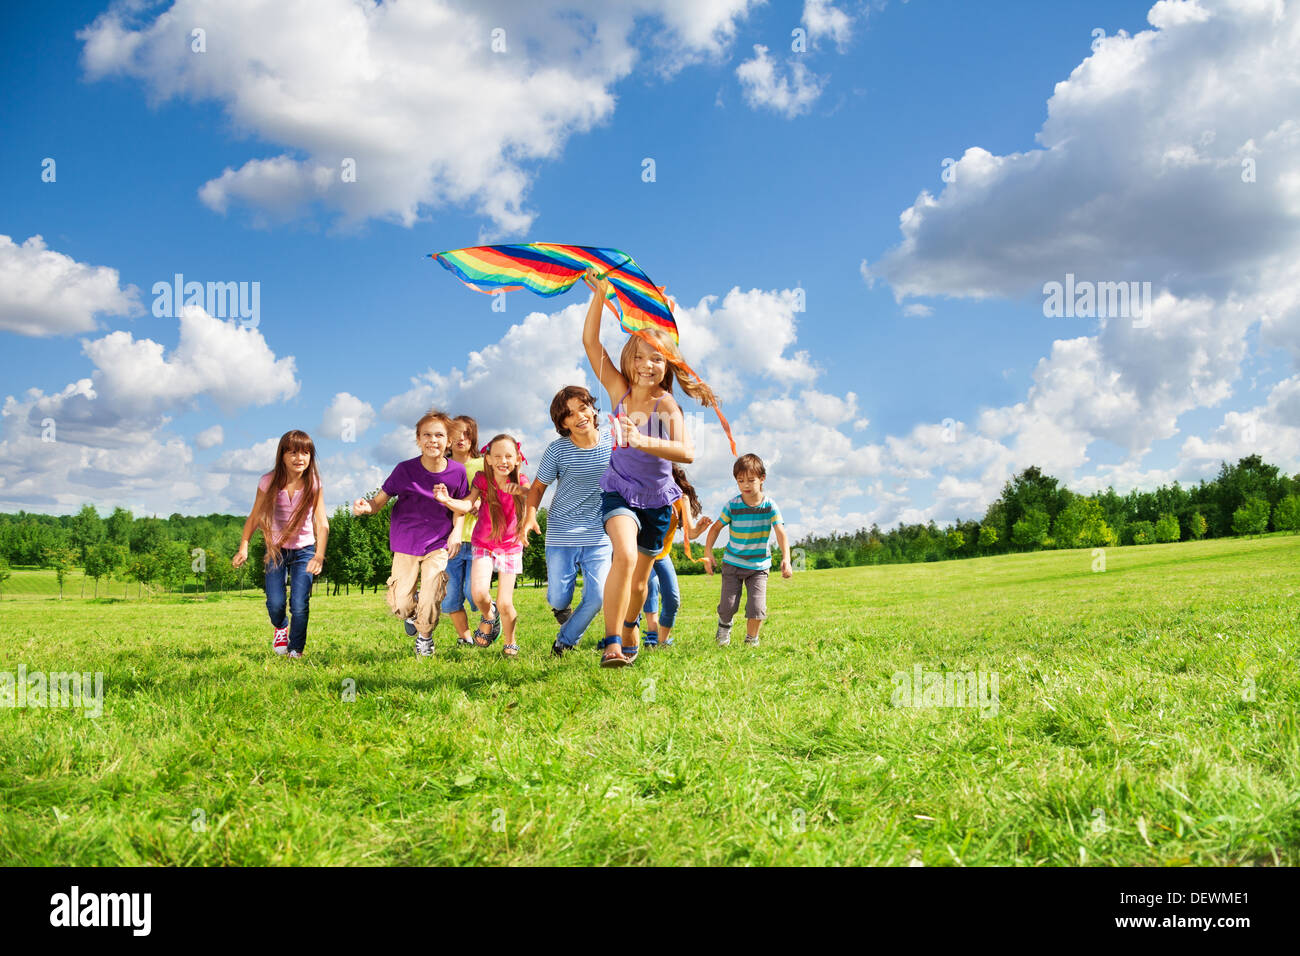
652	523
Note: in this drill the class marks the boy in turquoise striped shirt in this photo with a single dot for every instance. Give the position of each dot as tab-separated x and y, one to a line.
751	517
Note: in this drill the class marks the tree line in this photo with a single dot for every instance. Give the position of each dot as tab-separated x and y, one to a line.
1036	512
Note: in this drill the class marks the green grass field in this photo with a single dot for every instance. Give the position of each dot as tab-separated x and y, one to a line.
1145	715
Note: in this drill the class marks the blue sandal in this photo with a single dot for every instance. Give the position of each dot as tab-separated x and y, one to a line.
606	661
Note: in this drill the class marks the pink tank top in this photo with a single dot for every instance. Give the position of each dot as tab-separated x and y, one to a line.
283	511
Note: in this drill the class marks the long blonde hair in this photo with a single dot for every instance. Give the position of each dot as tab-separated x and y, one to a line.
662	343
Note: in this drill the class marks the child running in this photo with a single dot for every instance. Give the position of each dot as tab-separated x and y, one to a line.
752	517
289	510
638	487
464	450
496	542
663	577
422	532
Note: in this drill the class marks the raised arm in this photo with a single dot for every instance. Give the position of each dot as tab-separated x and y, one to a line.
606	369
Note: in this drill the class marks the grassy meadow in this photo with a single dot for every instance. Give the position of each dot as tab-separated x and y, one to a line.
1145	715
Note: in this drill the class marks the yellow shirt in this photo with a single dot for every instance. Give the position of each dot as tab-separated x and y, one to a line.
472	468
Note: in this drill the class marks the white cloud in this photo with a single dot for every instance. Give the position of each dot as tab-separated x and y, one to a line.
917	310
347	412
823	19
766	88
210	437
412	92
43	292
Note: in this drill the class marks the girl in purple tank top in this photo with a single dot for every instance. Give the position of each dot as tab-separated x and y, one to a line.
637	488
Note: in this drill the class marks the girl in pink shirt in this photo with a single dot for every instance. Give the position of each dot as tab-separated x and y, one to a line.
289	510
501	488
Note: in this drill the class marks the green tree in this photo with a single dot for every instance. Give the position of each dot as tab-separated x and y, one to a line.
1167	528
148	536
4	570
62	561
988	536
1031	530
1286	515
118	527
85	531
142	569
1251	517
174	565
1197	526
955	541
101	561
535	552
1142	532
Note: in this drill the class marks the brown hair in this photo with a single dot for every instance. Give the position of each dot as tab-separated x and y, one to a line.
496	513
691	383
293	440
679	476
433	415
470	426
749	465
560	405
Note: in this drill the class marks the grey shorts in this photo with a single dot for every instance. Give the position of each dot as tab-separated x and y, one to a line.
755	584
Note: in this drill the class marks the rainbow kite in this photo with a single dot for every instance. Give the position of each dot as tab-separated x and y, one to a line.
550	268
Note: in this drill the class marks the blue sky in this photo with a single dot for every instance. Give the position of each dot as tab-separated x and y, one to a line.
750	194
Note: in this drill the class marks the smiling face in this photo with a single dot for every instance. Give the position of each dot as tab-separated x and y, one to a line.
643	365
432	439
503	458
580	416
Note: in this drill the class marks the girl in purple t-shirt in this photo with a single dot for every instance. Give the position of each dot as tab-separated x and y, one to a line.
637	488
289	510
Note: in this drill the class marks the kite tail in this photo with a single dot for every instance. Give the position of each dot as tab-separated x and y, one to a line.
678	363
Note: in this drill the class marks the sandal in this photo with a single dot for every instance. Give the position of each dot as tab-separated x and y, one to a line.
482	639
616	659
630	650
509	650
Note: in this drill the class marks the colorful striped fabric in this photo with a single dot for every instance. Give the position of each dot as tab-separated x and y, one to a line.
550	268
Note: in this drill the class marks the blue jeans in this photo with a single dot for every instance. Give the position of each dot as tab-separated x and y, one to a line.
663	583
291	572
458	580
562	564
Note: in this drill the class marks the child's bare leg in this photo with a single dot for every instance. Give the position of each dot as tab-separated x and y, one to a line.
621	529
636	598
460	624
664	634
480	588
506	605
752	624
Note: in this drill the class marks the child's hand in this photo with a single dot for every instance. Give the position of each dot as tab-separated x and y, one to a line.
707	560
786	570
701	526
530	526
315	564
240	557
361	507
452	548
632	437
473	509
440	494
598	283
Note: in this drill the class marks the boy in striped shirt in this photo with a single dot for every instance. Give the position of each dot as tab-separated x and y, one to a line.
752	518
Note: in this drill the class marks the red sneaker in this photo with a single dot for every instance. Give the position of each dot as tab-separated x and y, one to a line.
280	642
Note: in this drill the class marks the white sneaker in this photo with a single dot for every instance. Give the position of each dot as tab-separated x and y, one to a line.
751	641
280	640
723	636
424	647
